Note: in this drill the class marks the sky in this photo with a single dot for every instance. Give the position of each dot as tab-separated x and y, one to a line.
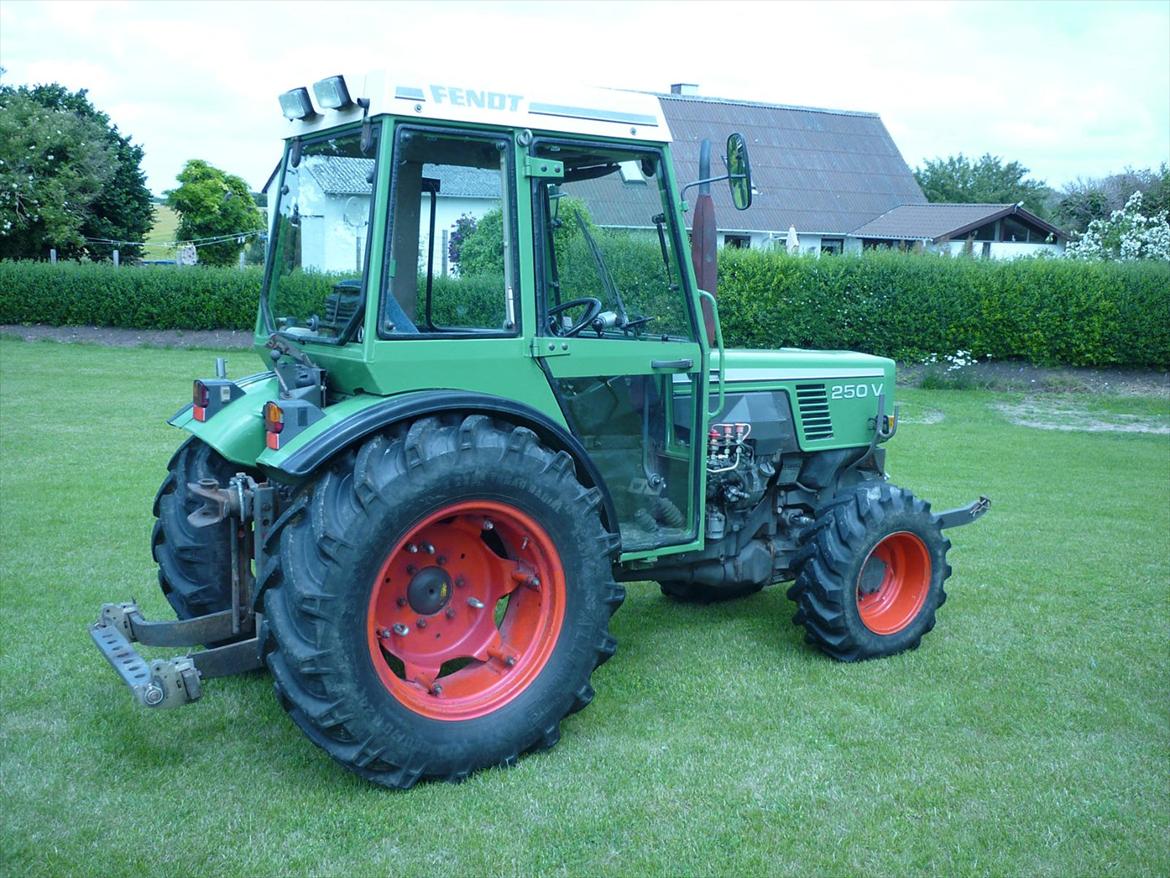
1068	89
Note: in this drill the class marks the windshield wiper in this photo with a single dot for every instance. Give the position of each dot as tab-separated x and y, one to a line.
659	220
603	272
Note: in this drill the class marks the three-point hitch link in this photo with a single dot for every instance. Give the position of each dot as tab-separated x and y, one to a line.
176	681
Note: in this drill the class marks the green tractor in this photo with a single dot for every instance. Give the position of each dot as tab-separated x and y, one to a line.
493	392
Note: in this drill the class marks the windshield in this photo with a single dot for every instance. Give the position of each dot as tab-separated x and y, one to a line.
314	286
612	265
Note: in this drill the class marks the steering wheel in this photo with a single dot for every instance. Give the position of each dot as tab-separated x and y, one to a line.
591	313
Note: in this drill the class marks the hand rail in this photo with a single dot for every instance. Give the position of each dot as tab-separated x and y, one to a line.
722	355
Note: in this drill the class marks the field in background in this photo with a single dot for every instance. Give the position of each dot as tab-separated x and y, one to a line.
1029	735
166	224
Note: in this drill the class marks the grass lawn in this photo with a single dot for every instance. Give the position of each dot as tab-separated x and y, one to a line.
1030	735
166	224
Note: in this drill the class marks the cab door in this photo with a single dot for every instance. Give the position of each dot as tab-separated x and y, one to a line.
617	334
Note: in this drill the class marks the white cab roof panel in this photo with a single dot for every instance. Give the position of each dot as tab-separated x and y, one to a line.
605	112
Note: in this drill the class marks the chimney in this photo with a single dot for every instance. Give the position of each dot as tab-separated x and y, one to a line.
684	88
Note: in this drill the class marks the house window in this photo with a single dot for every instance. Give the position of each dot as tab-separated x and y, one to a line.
832	245
738	242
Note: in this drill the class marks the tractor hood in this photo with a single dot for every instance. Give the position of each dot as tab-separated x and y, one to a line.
834	395
797	364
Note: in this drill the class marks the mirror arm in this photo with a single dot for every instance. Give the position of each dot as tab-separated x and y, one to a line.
711	180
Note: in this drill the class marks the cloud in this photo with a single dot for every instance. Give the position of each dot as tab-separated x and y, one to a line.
1067	89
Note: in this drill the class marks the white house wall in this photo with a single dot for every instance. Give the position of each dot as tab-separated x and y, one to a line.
1005	249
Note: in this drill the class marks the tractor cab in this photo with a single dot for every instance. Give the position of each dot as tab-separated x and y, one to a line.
420	243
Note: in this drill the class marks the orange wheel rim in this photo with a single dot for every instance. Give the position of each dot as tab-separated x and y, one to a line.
893	583
466	610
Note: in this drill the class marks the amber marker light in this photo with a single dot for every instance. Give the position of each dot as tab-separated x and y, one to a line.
273	424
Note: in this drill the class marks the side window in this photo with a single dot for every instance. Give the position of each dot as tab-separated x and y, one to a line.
452	254
609	238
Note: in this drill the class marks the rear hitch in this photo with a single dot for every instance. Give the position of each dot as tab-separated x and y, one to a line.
177	681
963	514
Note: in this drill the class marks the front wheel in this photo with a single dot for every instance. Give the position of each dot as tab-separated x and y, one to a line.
441	602
870	574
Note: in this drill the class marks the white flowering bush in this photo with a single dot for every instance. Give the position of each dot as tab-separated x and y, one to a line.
950	371
1127	235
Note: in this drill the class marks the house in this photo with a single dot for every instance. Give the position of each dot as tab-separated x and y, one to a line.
333	204
997	231
836	176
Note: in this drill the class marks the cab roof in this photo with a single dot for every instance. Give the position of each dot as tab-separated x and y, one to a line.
592	111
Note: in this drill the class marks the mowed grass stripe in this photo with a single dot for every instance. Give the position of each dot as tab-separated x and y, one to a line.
1029	735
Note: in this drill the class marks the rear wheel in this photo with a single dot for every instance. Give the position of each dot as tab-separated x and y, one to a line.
194	563
870	574
441	602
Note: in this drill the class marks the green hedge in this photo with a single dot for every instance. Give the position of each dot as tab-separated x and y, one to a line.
155	297
1047	311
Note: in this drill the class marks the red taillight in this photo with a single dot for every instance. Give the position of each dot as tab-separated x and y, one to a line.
200	396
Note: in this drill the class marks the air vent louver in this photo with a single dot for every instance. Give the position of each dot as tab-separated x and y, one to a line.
814	411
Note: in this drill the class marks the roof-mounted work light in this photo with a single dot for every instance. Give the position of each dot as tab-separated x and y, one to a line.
332	94
296	104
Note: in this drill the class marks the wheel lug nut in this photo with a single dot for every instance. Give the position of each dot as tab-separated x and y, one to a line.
401	602
412	548
459	583
383	632
534	583
450	612
510	661
401	630
422	623
436	689
428	548
475	603
488	524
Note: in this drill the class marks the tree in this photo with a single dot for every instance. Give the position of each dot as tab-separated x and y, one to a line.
215	210
958	180
464	227
477	246
68	179
481	250
1127	234
1083	201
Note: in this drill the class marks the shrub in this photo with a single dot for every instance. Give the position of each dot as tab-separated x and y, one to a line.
1046	311
162	297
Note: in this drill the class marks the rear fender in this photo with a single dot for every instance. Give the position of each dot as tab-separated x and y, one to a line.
236	431
351	421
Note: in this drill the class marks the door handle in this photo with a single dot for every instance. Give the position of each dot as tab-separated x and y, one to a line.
677	365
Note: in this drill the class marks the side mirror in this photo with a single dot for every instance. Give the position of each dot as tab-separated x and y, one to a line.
740	171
